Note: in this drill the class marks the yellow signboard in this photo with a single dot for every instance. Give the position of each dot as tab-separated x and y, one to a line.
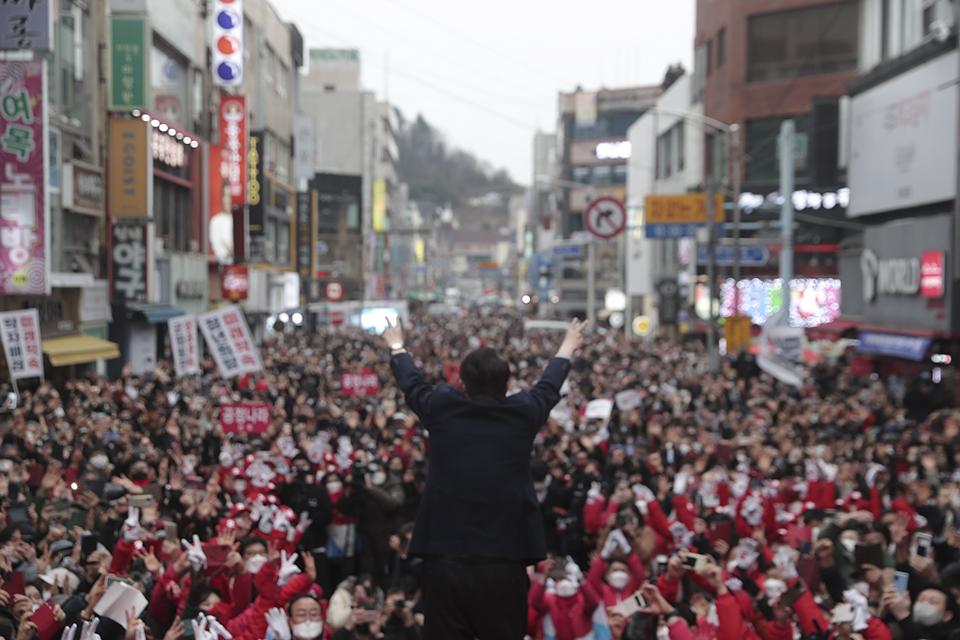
689	208
380	205
129	172
737	332
418	251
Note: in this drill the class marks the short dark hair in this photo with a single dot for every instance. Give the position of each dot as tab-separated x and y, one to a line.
485	374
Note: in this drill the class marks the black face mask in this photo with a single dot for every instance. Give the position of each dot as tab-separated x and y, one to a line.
363	628
139	476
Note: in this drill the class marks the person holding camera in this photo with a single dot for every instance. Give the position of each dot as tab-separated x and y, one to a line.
398	619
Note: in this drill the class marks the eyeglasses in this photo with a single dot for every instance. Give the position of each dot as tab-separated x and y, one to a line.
303	616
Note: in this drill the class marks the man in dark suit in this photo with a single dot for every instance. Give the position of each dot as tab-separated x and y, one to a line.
479	523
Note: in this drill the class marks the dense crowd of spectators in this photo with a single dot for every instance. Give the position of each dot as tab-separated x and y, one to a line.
733	506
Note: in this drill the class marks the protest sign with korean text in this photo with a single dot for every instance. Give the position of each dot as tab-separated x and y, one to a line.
24	207
21	343
359	383
230	342
25	24
184	345
129	264
245	418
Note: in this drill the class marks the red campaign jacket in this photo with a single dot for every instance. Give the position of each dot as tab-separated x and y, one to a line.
593	512
572	617
732	625
610	596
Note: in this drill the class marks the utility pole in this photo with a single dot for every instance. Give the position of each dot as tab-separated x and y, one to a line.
713	357
735	159
591	282
787	131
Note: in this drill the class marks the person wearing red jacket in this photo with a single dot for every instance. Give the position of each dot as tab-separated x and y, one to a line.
616	577
571	608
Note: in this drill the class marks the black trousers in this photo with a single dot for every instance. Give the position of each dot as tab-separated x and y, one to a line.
474	599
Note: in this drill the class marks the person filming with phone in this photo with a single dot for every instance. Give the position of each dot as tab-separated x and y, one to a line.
479	523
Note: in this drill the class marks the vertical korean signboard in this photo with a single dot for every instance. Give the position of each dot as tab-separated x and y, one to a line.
256	190
24	207
304	233
129	38
130	168
233	136
129	264
379	205
21	343
183	338
25	24
220	226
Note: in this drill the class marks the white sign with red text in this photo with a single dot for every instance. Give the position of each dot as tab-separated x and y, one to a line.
230	342
21	343
185	345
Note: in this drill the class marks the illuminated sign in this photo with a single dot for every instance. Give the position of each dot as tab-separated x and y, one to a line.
813	302
802	199
168	150
614	150
931	274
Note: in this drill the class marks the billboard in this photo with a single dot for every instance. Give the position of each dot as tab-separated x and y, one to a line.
130	169
679	216
233	137
129	46
25	24
24	206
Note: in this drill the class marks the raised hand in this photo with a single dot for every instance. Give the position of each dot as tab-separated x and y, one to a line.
195	554
574	338
288	568
278	625
393	334
131	526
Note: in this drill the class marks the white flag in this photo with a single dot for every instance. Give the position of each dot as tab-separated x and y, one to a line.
599	409
185	345
230	342
21	343
781	349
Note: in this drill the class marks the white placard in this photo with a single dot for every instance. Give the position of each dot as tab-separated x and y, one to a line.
185	345
230	342
21	343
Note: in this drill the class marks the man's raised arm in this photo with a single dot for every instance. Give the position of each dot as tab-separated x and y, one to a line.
546	391
416	390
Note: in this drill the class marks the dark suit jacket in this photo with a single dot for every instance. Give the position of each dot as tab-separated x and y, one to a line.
479	499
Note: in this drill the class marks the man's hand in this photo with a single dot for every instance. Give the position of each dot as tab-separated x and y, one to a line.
393	334
573	340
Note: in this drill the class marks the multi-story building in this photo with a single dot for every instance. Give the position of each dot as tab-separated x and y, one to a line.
357	144
593	154
761	62
900	271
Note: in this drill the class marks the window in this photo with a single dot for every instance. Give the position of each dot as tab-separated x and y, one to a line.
602	174
270	240
249	35
169	80
721	47
283	241
803	42
269	66
331	210
763	153
671	151
171	210
581	175
709	57
699	74
608	126
576	223
282	73
681	143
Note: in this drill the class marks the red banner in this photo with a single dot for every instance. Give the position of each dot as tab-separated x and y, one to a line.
236	282
363	383
245	418
931	274
233	137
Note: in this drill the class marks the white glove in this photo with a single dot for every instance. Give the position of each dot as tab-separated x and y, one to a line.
140	633
642	507
266	520
217	629
858	600
643	492
594	492
69	632
811	471
89	630
200	629
304	523
624	544
195	554
828	470
288	569
610	545
871	475
277	624
280	522
131	526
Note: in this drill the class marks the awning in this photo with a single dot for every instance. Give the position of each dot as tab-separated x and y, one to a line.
155	315
888	344
79	349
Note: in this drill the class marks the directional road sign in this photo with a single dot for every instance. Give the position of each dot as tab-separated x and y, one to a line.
723	255
568	250
605	217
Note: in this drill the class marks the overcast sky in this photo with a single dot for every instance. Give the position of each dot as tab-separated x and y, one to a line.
487	74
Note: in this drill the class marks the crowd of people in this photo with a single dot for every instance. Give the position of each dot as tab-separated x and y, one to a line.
700	506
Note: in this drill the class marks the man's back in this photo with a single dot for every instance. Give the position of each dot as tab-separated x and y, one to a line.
479	498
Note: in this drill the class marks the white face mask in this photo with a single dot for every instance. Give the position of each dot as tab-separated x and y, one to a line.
663	633
333	487
307	630
619	580
927	615
378	478
99	461
567	588
255	563
849	544
774	587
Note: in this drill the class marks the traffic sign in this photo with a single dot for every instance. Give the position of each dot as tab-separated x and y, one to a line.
723	255
333	291
679	216
322	248
568	250
642	325
605	217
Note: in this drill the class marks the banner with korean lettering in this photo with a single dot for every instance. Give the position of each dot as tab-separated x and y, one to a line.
185	345
233	136
229	340
24	206
245	418
26	24
128	269
359	383
21	343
